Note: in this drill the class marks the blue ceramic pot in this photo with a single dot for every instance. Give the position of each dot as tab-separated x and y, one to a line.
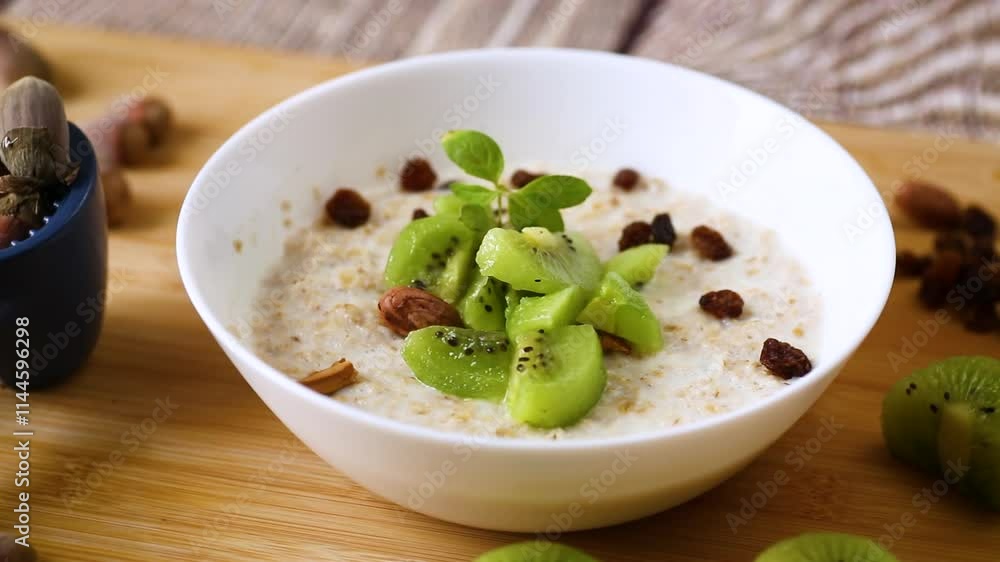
55	281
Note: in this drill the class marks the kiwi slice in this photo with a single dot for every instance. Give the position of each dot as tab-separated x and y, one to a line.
512	298
537	551
459	361
945	419
826	547
546	312
483	305
449	205
556	376
638	265
618	309
434	253
539	261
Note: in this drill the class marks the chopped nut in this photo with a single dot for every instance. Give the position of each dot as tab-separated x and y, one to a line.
710	244
348	208
784	360
417	175
335	377
722	304
928	204
663	229
405	309
952	240
419	214
522	178
611	343
635	234
909	264
626	179
940	278
978	223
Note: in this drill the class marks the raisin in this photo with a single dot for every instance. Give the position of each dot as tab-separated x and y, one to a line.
710	244
909	264
663	229
978	223
348	208
635	234
980	317
983	250
952	240
419	214
417	175
784	360
940	278
722	304
522	178
929	205
626	179
614	344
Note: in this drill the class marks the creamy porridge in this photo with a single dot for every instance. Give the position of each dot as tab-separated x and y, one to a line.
319	304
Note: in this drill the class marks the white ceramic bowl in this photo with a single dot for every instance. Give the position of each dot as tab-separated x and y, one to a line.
587	109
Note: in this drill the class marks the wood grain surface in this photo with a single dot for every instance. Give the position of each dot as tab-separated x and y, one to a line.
902	63
218	477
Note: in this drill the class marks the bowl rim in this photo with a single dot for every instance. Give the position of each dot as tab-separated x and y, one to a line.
232	344
82	188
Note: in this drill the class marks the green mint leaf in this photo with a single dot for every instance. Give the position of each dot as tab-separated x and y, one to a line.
556	192
475	194
475	153
523	213
476	217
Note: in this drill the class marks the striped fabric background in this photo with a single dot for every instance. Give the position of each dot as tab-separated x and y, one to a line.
927	64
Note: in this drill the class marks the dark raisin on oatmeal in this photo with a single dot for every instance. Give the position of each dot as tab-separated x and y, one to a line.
940	278
978	223
784	360
722	304
419	214
710	244
521	178
348	208
663	229
635	234
417	175
626	179
909	264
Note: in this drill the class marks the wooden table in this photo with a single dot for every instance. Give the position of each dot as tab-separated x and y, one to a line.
219	478
903	63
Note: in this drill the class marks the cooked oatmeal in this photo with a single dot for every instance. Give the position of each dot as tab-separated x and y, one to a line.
319	304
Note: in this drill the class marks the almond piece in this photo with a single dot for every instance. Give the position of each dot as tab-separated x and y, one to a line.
929	205
405	309
333	378
614	344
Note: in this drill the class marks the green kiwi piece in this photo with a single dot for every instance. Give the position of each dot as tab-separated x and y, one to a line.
434	253
536	551
482	307
512	298
459	361
546	312
618	309
556	376
449	205
945	419
638	265
826	547
539	261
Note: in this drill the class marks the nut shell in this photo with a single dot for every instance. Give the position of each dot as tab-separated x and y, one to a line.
404	309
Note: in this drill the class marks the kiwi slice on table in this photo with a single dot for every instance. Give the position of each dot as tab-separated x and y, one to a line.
537	551
482	307
433	253
556	376
459	361
538	260
826	547
618	309
638	265
945	419
546	312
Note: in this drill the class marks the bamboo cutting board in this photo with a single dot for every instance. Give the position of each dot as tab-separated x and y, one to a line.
217	477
